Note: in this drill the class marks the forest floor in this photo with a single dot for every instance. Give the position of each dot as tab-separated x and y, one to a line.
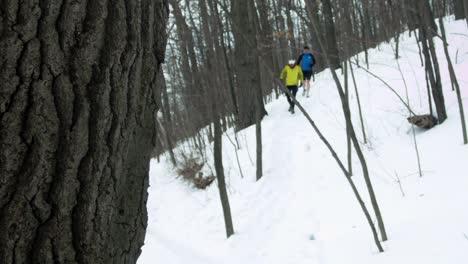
303	210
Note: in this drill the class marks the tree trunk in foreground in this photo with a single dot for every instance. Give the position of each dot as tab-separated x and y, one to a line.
246	55
77	126
459	9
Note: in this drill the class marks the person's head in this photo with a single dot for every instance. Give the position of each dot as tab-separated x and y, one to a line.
291	63
306	49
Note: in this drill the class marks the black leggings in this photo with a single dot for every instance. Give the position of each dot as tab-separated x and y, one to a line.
293	90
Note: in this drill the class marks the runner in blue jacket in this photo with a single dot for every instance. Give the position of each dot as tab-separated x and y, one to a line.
307	61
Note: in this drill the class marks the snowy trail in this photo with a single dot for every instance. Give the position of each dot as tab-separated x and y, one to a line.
296	224
293	159
282	192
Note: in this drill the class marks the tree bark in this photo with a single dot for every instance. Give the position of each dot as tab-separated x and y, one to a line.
364	136
427	29
246	54
459	9
77	127
454	80
291	36
217	108
465	5
257	85
218	160
348	132
266	44
330	38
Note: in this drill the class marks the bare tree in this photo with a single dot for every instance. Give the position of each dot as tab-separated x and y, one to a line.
216	105
356	145
330	39
453	78
459	9
427	31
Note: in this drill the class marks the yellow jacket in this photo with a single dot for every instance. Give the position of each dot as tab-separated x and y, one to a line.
292	76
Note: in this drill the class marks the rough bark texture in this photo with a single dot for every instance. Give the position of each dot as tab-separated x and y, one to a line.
77	105
459	9
246	55
330	37
465	6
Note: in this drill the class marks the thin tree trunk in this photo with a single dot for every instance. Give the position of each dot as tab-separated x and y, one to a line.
343	169
359	104
357	147
429	97
413	132
290	24
167	117
217	107
454	81
218	158
257	85
348	136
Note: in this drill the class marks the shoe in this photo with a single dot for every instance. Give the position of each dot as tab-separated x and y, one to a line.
290	108
292	111
307	96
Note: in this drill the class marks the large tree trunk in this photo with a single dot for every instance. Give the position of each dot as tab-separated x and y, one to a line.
266	48
459	9
77	126
465	5
246	55
313	12
291	36
330	38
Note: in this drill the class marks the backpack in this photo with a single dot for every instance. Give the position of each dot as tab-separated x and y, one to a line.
308	61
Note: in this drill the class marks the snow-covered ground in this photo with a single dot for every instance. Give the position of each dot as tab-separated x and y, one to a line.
303	210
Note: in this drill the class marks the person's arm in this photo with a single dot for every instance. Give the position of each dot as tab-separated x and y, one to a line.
283	74
299	59
301	75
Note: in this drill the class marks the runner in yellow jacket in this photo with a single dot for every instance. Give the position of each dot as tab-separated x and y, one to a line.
292	74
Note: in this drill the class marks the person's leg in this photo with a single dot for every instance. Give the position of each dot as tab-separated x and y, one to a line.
309	76
293	90
304	87
307	85
289	98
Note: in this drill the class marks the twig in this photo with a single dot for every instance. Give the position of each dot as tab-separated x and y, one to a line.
460	34
399	183
237	155
388	86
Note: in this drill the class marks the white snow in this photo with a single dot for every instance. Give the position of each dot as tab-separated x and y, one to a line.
303	209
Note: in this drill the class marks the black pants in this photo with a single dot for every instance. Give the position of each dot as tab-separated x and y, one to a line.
293	90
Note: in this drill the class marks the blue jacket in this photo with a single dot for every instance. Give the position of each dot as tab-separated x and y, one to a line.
307	61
